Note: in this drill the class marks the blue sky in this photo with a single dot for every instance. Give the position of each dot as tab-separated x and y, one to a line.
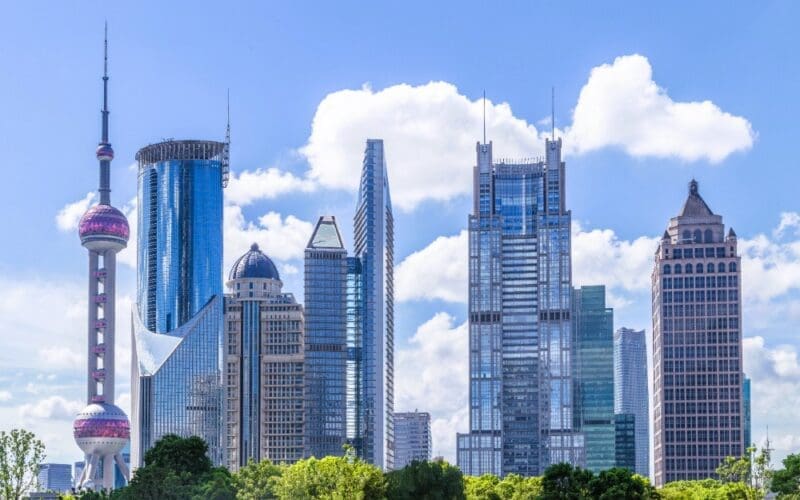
310	83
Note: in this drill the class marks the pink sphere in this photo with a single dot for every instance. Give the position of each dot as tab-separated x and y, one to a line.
101	429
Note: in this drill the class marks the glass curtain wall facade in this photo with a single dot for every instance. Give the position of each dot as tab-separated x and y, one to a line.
520	297
326	360
748	436
697	345
594	375
374	248
178	324
413	441
631	394
625	441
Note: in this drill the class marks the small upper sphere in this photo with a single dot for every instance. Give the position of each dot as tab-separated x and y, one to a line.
104	224
101	428
254	264
104	152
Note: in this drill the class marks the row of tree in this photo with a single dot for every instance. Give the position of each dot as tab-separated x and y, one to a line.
179	468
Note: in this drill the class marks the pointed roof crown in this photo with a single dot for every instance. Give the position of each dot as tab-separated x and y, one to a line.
326	234
695	206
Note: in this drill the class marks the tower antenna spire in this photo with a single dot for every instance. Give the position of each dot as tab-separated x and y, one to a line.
228	131
484	116
104	151
553	111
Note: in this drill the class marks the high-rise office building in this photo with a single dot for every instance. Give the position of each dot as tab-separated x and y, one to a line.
102	429
748	436
593	372
55	477
631	395
412	438
263	379
326	340
177	326
625	441
374	249
698	414
520	331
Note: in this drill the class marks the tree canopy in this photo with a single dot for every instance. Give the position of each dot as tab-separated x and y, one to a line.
20	455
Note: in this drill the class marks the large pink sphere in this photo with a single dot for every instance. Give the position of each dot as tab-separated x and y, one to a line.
104	225
101	429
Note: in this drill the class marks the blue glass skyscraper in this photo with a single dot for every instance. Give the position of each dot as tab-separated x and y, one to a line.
631	395
593	368
374	248
520	332
326	340
177	326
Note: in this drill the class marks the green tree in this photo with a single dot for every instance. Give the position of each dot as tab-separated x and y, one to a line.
736	470
786	481
257	480
482	487
563	481
215	485
707	489
179	455
331	478
620	482
516	487
20	455
762	470
426	480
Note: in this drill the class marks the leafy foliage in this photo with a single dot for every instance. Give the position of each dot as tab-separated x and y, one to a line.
563	481
332	478
20	455
786	481
426	481
257	480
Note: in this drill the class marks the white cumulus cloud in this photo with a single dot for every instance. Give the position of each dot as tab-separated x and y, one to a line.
68	217
281	238
441	266
5	396
431	374
51	408
262	184
622	106
429	133
58	357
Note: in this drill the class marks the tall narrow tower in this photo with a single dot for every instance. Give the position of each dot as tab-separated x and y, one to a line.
102	429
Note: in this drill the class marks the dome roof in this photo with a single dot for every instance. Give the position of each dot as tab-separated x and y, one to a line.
101	420
103	221
254	264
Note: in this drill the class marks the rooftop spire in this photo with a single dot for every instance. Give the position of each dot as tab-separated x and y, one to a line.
484	116
553	111
104	151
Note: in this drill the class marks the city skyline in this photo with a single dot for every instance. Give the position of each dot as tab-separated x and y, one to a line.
613	246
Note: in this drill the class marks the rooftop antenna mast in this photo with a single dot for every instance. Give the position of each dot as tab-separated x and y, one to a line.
484	116
226	152
553	111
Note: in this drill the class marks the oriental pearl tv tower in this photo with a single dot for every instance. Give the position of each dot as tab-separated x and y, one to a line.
102	429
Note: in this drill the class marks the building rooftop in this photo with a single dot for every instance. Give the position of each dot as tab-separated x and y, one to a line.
254	264
695	206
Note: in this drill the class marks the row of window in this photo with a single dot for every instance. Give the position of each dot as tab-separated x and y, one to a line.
707	252
695	323
701	351
700	282
679	339
703	409
692	424
702	394
698	268
702	379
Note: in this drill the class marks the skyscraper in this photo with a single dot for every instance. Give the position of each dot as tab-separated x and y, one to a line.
326	340
55	477
631	396
412	432
374	249
748	436
102	429
698	415
263	365
177	326
520	302
593	371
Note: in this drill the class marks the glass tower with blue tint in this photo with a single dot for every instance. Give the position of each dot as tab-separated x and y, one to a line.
593	371
631	394
748	436
178	323
374	248
326	340
520	331
264	353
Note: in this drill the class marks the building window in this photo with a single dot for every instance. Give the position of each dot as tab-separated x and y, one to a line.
687	236
732	267
708	237
710	268
699	269
698	236
721	267
677	269
688	269
667	269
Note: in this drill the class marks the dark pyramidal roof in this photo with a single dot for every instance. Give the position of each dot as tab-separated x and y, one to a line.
695	206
